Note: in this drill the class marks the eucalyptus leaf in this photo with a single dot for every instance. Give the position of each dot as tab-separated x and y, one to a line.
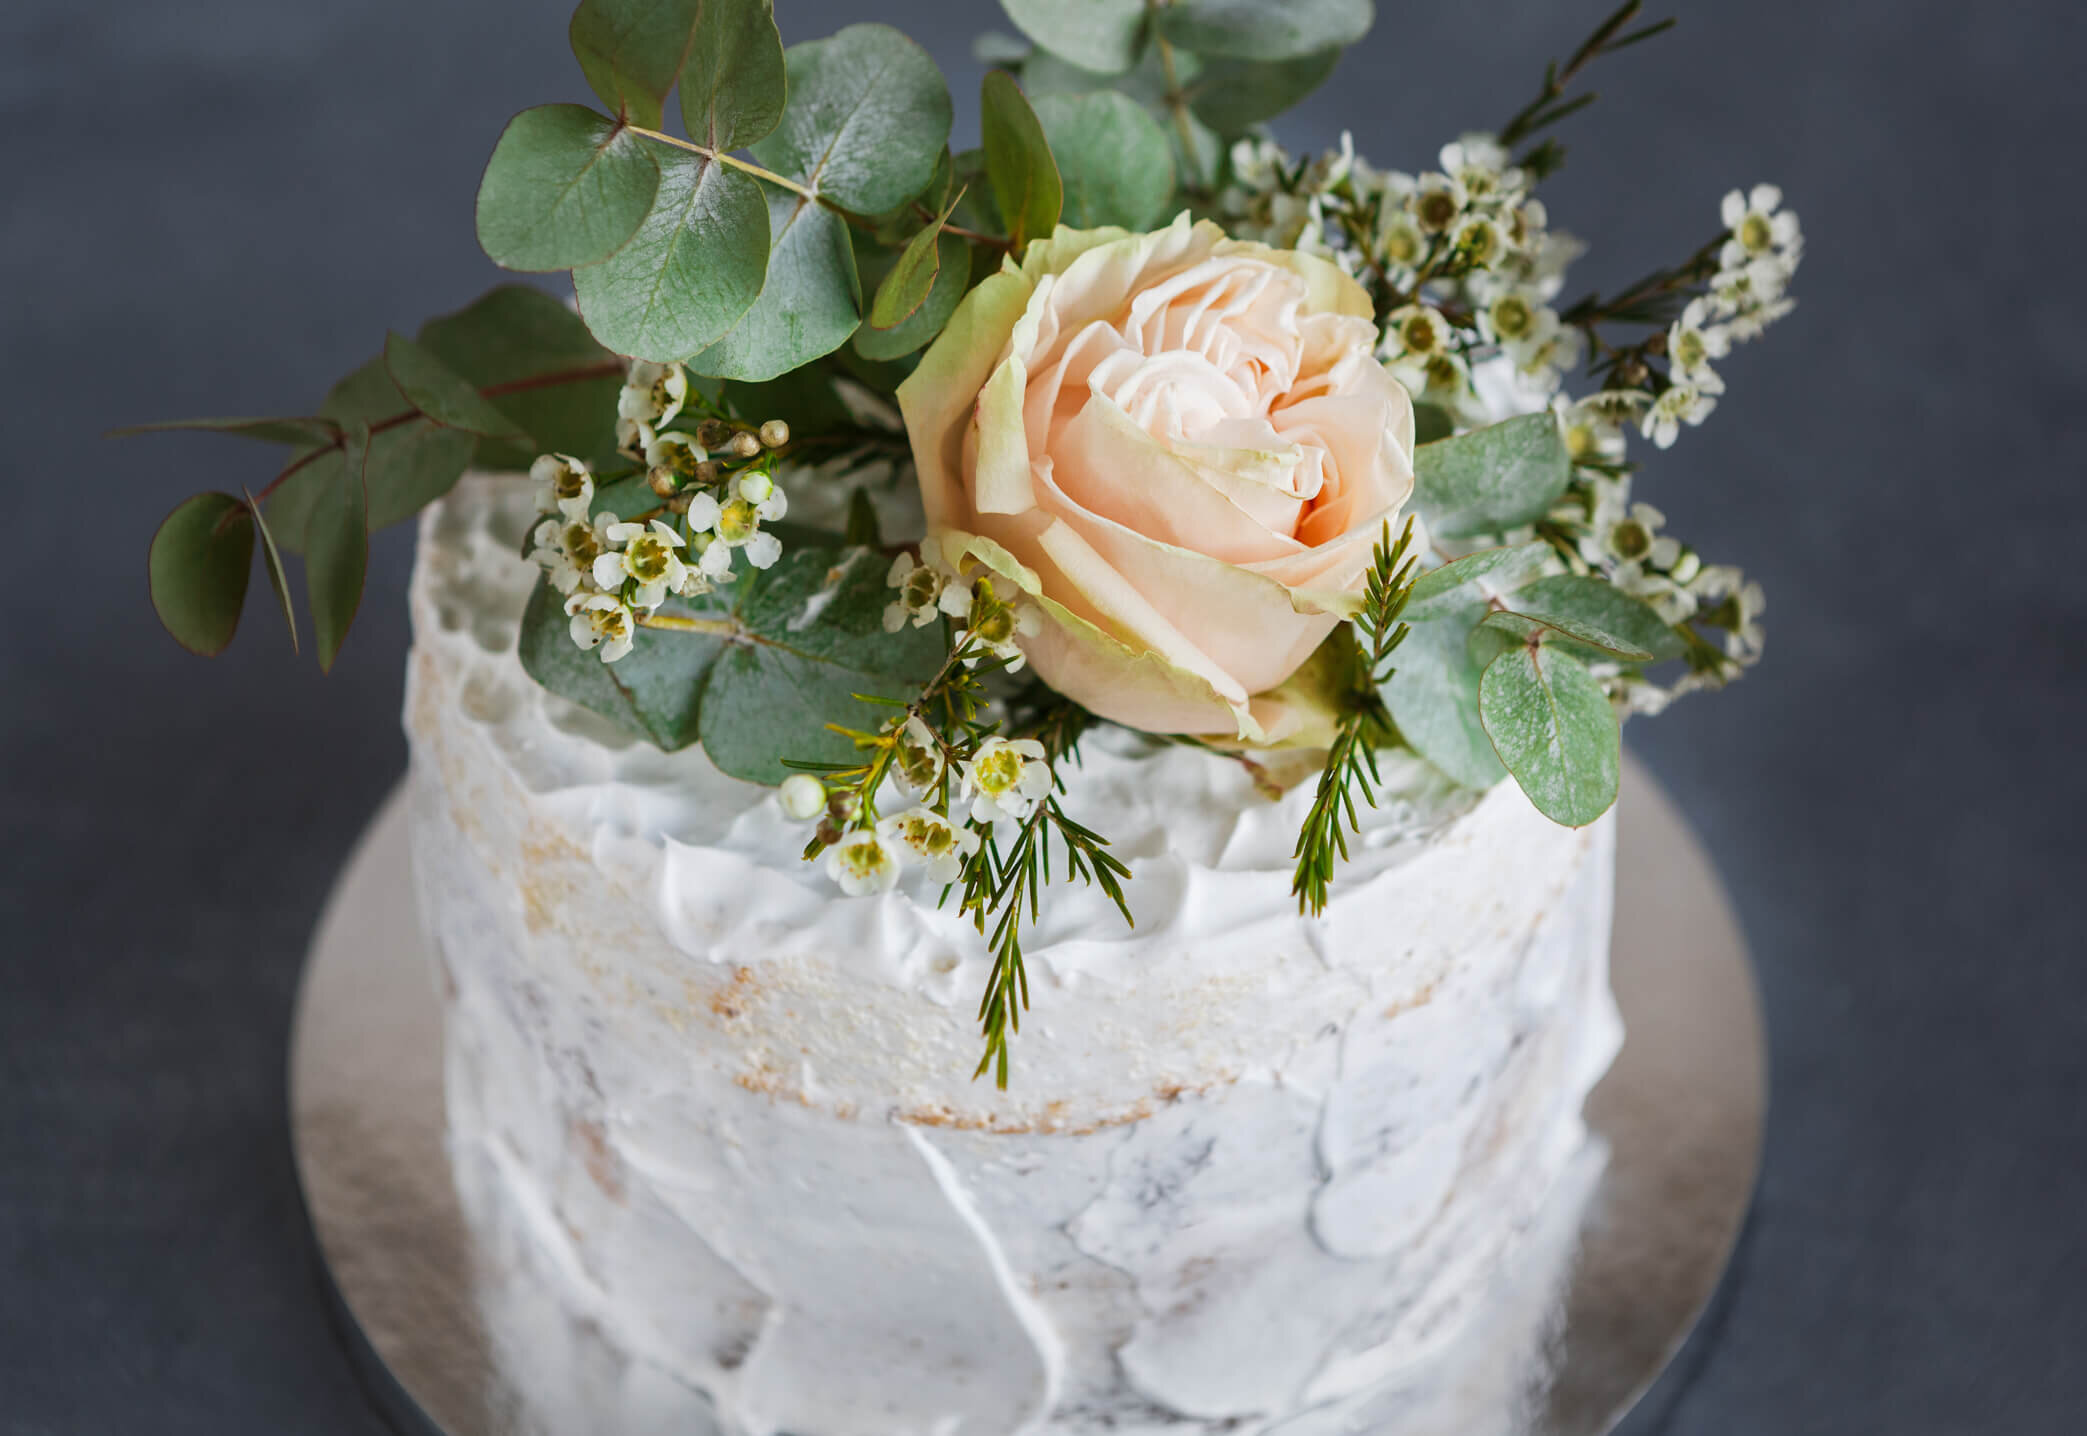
303	430
565	187
198	567
1553	727
911	278
867	120
692	271
1264	29
337	546
733	88
1624	620
1432	696
514	335
1024	176
804	638
1231	96
810	302
1491	479
1116	162
1585	637
1463	589
632	51
952	278
278	580
1099	35
1431	422
816	627
442	394
654	691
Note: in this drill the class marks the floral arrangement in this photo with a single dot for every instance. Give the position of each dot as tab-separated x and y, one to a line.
1292	459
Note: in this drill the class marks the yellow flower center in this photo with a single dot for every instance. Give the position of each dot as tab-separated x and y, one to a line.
1436	208
926	836
582	543
1630	539
1755	233
1579	441
647	558
1512	316
1403	245
737	521
1689	352
998	771
569	484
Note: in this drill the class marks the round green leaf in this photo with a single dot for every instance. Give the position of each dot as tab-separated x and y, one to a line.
1024	177
632	51
1617	619
198	568
809	305
1463	589
1265	29
1491	479
1230	96
1116	162
733	89
1098	35
1553	727
692	271
1432	696
1584	638
565	187
867	120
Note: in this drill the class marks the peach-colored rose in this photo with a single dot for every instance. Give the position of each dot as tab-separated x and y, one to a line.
1181	447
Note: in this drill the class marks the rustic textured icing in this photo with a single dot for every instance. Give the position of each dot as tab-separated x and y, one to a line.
1257	1172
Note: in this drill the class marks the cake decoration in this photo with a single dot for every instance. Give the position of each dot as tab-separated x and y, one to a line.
886	472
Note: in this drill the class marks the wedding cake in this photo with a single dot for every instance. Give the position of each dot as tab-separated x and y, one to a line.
1253	1165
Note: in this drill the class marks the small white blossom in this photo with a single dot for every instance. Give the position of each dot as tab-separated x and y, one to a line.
802	797
675	452
648	556
567	548
1592	434
653	393
602	620
862	864
1417	331
1727	599
1682	403
932	840
917	756
996	624
920	585
1437	202
564	485
1479	163
1751	298
1005	778
1760	228
1693	341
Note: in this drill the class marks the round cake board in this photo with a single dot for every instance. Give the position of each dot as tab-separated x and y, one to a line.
1680	1113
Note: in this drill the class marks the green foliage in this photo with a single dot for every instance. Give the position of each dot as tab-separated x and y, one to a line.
558	385
1620	620
1024	176
753	683
810	303
309	430
201	560
338	545
1114	158
412	460
1350	771
1433	698
278	580
952	278
1492	479
446	397
1232	95
911	278
1264	29
732	89
1588	637
1460	590
691	272
565	187
867	120
1431	422
1098	35
632	51
1554	729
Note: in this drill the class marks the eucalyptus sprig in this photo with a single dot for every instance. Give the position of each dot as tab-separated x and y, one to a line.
1351	761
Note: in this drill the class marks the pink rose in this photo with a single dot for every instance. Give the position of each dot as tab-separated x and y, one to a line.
1181	447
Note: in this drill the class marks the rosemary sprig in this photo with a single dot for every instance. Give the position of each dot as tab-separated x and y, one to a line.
1351	761
999	888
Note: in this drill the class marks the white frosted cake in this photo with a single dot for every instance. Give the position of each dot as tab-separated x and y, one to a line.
1254	1170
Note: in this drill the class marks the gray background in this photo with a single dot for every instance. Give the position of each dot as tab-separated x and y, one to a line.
219	206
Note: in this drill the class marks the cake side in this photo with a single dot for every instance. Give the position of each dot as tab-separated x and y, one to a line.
736	1104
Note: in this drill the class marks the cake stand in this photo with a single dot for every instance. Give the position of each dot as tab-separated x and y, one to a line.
1639	1257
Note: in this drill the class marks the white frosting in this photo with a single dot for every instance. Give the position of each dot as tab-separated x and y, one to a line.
1253	1165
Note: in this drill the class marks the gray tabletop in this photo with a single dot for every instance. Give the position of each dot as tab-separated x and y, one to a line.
218	206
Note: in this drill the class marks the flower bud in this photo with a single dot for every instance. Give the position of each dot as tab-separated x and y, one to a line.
663	482
745	444
802	796
775	433
756	489
713	433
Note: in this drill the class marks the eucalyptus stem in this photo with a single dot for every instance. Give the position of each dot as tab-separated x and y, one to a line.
1177	100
